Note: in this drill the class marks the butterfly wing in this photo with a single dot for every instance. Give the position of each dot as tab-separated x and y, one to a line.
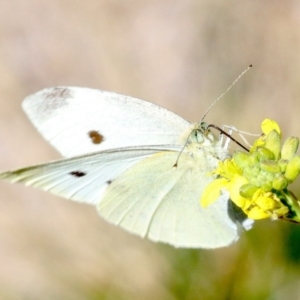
155	199
78	121
139	189
136	187
83	178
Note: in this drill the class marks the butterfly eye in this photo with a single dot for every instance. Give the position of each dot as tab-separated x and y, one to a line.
196	136
96	137
78	174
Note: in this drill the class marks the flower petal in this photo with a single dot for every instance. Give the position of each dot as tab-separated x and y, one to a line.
212	191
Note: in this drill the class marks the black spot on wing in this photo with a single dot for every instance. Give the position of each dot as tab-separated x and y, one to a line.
78	173
109	181
53	99
96	137
59	92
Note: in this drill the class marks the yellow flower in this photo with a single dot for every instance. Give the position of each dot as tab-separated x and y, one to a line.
212	191
257	181
265	205
267	126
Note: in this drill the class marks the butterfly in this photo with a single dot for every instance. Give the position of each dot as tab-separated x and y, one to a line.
142	166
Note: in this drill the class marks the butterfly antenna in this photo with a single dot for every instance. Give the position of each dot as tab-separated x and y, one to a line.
245	71
179	154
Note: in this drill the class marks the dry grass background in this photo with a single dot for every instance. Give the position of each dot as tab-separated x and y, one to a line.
181	55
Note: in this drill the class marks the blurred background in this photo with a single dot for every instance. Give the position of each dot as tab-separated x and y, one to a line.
181	55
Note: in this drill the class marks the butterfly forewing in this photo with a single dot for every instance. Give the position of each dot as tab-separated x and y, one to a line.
77	121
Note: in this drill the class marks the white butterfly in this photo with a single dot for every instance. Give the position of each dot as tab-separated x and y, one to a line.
123	154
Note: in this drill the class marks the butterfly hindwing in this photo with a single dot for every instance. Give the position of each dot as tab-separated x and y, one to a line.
82	178
155	199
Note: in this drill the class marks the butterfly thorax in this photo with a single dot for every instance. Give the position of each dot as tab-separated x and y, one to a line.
204	147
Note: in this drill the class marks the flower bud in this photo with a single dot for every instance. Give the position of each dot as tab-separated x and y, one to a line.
273	143
248	190
268	125
293	169
241	159
283	164
289	148
279	182
270	166
264	154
